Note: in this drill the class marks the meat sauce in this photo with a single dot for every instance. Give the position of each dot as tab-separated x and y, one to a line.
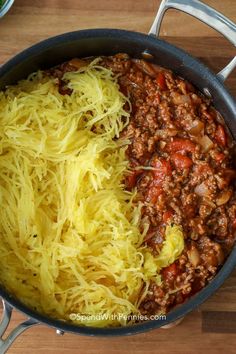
181	161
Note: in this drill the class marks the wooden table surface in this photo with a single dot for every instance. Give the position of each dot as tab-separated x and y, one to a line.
211	328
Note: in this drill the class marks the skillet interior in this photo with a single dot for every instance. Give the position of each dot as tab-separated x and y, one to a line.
97	42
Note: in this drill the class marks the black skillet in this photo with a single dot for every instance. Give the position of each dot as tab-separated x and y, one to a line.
96	42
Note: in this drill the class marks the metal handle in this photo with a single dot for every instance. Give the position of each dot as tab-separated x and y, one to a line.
205	14
6	317
6	7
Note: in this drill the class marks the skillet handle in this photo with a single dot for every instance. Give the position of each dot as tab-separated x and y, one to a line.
205	14
6	317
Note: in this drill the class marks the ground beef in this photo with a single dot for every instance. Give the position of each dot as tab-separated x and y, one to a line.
174	129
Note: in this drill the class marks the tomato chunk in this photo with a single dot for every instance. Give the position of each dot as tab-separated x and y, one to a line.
153	193
181	161
202	169
131	179
219	157
234	223
162	169
161	81
169	273
181	145
220	136
167	215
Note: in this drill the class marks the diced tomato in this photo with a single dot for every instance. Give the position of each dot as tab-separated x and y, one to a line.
189	211
219	157
161	81
153	193
220	136
162	169
202	169
131	178
169	273
167	215
234	223
181	145
181	161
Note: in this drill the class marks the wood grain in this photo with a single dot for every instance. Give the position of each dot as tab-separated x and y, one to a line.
218	321
208	329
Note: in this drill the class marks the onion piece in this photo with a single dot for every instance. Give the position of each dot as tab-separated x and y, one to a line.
196	128
209	202
201	190
180	99
182	87
165	133
126	82
196	99
205	143
78	63
147	68
224	197
193	256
